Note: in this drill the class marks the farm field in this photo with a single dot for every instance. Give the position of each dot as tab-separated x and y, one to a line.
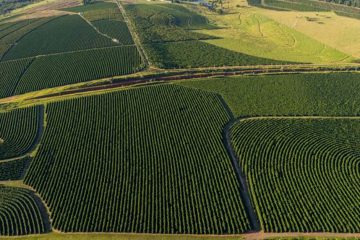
252	32
70	68
309	168
69	49
134	119
19	130
336	31
20	213
152	164
299	94
167	30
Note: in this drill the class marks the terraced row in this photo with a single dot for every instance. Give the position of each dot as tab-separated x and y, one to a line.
304	175
19	131
20	213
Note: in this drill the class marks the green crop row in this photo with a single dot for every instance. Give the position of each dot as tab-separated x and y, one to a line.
69	68
148	160
20	213
304	175
289	94
10	74
63	34
19	130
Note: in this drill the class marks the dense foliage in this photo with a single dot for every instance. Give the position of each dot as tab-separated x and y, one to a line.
166	22
189	54
14	170
21	213
64	34
12	32
70	68
302	94
98	11
10	74
146	160
304	175
117	30
19	130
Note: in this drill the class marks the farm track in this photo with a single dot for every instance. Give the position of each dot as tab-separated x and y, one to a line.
39	133
134	35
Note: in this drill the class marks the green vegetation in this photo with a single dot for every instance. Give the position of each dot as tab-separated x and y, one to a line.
354	3
10	74
304	175
64	34
199	54
18	131
116	29
123	236
167	30
251	32
12	32
166	22
99	11
302	94
6	6
107	18
20	213
70	68
14	170
147	160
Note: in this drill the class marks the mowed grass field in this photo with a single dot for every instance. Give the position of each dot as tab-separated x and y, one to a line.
248	30
339	32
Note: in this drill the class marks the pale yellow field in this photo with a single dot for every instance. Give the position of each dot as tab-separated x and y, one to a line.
342	33
249	30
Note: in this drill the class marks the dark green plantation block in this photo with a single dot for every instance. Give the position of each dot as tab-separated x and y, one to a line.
304	174
324	94
21	213
63	34
147	160
19	130
14	170
10	74
70	68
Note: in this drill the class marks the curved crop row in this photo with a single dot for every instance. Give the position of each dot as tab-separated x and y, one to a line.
20	213
18	131
304	175
147	160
